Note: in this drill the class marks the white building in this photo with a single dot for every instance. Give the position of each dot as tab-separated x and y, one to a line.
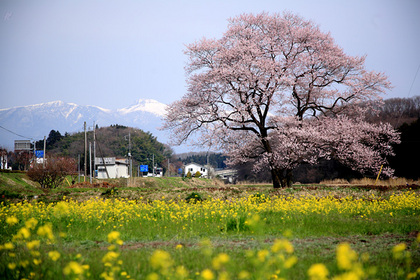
116	168
194	167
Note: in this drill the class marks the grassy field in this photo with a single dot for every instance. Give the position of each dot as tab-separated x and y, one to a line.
169	228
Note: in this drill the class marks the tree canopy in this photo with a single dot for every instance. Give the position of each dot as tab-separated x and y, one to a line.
279	92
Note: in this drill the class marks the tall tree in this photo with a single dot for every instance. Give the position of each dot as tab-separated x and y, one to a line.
270	79
53	137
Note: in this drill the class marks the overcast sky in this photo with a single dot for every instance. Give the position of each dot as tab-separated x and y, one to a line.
112	53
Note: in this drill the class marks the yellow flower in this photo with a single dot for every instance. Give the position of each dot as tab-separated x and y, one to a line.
9	246
181	271
290	262
113	235
411	275
54	255
24	263
46	231
207	274
23	233
345	256
282	244
31	223
110	257
161	260
61	209
220	260
37	261
398	250
318	271
32	244
35	254
12	220
243	274
224	275
351	275
179	246
152	276
261	255
73	268
11	266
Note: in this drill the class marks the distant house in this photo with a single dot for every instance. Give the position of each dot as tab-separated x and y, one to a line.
194	167
228	175
111	167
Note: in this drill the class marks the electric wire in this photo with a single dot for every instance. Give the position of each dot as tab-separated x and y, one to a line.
16	133
409	93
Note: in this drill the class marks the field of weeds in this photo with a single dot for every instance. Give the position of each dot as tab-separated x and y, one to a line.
199	229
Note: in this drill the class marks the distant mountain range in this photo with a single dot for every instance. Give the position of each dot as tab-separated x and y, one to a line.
36	121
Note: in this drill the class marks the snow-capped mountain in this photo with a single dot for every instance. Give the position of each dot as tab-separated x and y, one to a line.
36	121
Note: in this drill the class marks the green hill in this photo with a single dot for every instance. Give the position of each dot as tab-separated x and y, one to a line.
112	141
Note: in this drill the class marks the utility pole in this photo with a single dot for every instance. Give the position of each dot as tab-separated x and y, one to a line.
34	160
129	155
85	151
94	146
78	168
45	144
90	161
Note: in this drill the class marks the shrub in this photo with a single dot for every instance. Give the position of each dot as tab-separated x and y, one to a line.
197	174
52	173
194	197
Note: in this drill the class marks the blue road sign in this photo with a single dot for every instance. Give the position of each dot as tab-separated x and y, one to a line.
39	154
144	168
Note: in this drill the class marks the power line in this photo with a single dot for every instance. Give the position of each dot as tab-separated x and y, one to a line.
409	93
415	76
16	133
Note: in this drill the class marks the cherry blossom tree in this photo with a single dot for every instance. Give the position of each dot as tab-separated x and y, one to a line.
277	90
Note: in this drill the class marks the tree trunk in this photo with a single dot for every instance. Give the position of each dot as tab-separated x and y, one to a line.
275	174
282	178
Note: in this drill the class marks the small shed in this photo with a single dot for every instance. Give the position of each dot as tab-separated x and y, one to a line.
115	167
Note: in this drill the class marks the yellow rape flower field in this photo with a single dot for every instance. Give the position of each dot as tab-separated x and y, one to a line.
304	233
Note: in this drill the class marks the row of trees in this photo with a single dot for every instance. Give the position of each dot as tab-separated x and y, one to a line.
396	111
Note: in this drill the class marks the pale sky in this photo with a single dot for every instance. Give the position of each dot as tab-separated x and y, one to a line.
112	53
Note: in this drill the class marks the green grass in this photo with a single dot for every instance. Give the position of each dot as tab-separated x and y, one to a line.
314	234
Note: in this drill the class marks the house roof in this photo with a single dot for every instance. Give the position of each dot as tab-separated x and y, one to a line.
193	163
